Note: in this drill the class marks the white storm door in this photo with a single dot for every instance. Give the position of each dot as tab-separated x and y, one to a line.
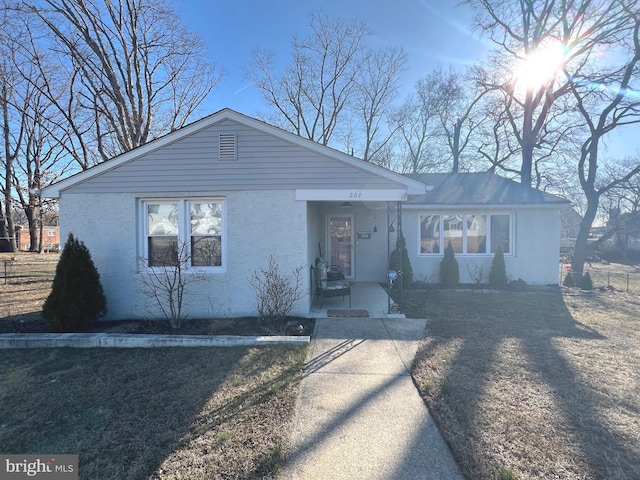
341	243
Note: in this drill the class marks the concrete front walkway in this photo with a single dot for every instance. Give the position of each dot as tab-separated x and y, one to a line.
358	415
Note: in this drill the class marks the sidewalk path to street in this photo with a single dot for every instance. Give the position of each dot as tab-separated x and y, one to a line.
359	415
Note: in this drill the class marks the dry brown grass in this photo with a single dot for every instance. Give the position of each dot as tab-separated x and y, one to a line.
164	413
619	276
536	384
27	284
152	413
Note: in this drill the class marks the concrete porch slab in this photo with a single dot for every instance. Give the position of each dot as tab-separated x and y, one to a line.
368	296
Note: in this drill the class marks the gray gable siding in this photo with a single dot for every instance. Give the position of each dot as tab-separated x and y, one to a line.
264	162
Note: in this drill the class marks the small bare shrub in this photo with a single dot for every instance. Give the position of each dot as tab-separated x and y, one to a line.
276	293
477	272
166	282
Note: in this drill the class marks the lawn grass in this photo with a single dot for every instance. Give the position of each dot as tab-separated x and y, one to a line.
152	413
534	385
164	413
27	284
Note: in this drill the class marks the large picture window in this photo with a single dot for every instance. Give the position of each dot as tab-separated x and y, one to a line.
469	234
189	228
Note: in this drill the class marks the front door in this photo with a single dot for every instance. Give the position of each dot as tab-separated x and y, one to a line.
341	243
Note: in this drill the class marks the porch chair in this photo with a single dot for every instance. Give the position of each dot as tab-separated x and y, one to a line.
336	287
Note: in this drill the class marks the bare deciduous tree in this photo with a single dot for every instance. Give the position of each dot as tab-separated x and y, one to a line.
418	126
134	71
377	88
313	93
459	112
334	89
11	131
31	120
606	102
577	31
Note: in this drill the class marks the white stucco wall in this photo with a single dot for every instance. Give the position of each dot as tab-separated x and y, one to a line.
258	223
536	248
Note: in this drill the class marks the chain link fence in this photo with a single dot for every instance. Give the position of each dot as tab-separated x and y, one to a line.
611	280
20	270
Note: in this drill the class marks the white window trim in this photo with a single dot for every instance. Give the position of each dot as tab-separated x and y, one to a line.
464	214
184	229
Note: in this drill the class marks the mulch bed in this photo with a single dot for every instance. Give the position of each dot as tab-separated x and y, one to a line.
235	326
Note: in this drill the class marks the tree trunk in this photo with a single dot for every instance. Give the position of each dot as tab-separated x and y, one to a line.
41	230
456	146
528	144
4	233
33	229
10	234
581	250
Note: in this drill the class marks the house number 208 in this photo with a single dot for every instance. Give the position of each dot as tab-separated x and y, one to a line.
355	195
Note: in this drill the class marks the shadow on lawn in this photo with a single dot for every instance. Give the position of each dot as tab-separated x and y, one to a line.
126	411
492	343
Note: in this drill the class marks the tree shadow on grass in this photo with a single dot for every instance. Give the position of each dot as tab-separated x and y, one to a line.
125	412
504	393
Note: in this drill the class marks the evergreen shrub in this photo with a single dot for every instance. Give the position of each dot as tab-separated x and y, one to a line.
498	272
586	282
77	298
569	281
449	270
399	261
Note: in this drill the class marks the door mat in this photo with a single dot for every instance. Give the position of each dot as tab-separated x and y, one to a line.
347	313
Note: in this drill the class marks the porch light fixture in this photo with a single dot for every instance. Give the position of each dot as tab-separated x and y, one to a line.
391	228
346	205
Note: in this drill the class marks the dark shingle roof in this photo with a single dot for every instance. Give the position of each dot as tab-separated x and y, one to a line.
483	188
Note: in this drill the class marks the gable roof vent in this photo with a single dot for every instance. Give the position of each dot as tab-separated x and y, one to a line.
228	150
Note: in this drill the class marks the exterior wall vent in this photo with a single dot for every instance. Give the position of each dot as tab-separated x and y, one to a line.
228	148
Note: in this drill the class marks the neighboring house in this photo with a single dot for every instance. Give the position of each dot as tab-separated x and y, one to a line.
236	190
569	228
51	238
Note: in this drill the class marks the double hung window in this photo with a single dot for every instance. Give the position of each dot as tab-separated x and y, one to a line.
184	231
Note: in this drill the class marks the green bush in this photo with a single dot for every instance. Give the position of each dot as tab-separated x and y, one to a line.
498	272
586	283
76	297
518	285
569	281
449	271
399	261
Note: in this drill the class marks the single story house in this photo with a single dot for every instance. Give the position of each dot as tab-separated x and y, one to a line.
236	190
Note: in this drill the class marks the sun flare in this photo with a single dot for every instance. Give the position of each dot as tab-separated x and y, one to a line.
540	66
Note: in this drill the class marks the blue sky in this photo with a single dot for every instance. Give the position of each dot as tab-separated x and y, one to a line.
431	32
